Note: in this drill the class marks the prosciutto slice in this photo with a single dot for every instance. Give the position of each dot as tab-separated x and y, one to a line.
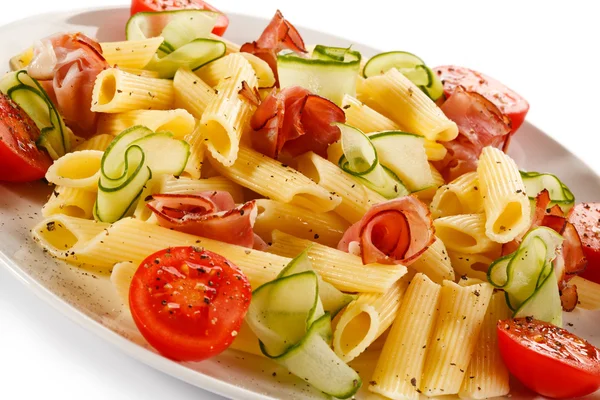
212	215
295	121
572	248
480	124
394	232
279	35
67	66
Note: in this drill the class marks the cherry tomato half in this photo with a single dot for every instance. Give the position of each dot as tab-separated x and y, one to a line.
189	303
547	359
586	219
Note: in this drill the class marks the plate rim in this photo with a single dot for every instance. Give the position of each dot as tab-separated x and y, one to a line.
130	348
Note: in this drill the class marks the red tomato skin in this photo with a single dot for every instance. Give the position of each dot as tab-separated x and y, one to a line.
507	100
542	373
179	339
20	159
586	219
165	5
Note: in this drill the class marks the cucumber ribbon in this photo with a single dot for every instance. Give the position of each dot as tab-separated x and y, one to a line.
128	164
410	66
27	92
291	316
330	72
361	160
528	276
559	193
185	34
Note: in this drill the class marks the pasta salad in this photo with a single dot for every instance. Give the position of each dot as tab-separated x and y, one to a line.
306	204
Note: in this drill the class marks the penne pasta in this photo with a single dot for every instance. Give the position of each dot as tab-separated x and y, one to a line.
461	196
191	92
117	91
131	53
435	263
193	168
120	277
171	185
365	319
277	181
470	265
246	341
343	270
80	170
98	142
70	201
264	74
487	376
461	314
324	228
588	293
141	72
179	122
507	207
396	97
400	366
227	116
356	199
132	240
464	233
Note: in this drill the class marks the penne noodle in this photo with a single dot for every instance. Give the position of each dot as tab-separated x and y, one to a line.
171	185
365	319
117	91
179	122
396	97
80	170
98	142
227	116
193	168
400	366
191	92
131	53
277	181
507	207
356	199
120	277
343	270
461	196
588	293
487	376
70	201
324	228
470	265
435	263
464	233
461	313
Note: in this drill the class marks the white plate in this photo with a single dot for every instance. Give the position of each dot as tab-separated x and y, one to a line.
87	296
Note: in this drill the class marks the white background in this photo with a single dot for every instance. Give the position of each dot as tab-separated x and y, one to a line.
546	51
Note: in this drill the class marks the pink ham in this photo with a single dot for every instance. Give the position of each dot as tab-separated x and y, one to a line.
279	35
294	121
67	66
396	231
480	124
213	215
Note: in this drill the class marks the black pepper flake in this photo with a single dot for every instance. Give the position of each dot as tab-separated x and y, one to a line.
373	383
50	226
207	300
476	293
413	382
347	106
316	236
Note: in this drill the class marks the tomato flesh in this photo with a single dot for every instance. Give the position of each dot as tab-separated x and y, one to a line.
189	303
20	159
547	359
167	5
586	219
507	100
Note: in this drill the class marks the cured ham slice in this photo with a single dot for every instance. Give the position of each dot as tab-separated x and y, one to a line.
212	215
480	124
572	248
295	121
67	66
394	232
279	35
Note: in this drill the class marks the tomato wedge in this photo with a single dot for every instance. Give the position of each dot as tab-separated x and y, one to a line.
547	359
20	159
166	5
586	219
189	303
507	100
